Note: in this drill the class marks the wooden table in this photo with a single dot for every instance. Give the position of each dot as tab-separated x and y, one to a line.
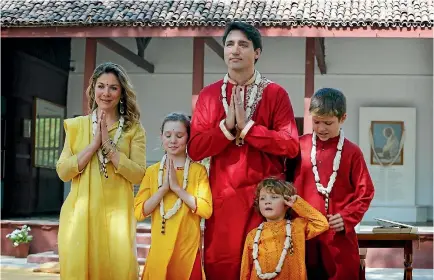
391	240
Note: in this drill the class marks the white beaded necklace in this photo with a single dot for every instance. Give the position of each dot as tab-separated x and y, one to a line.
252	97
103	160
321	189
178	202
287	246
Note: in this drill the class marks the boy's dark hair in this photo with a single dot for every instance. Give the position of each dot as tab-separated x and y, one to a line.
277	186
250	31
177	117
328	102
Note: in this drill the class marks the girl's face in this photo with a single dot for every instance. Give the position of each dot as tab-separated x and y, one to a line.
107	92
271	205
174	138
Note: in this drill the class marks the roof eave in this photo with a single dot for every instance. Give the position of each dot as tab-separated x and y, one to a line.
207	31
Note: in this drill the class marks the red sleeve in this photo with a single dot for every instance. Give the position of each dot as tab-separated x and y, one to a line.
206	137
364	190
282	139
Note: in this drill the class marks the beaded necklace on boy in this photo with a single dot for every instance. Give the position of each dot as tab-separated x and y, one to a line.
287	246
321	189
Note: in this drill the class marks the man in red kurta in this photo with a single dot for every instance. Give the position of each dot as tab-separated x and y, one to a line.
332	176
245	123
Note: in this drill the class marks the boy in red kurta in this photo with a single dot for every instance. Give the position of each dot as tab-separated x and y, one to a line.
245	123
332	176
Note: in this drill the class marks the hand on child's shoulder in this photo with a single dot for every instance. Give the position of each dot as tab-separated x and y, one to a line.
290	200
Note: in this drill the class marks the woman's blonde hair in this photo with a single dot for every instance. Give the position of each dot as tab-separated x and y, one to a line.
128	95
277	186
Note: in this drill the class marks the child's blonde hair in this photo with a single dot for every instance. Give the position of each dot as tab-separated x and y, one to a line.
328	102
277	186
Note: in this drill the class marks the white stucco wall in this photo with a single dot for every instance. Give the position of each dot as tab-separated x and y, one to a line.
371	72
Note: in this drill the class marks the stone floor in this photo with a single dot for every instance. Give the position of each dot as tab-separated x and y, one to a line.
17	269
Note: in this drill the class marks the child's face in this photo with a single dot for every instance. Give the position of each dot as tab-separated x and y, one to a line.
327	127
272	206
174	138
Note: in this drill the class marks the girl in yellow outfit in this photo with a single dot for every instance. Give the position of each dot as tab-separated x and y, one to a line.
103	155
276	249
176	193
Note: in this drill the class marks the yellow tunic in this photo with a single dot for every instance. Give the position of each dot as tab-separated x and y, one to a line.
97	227
172	254
309	223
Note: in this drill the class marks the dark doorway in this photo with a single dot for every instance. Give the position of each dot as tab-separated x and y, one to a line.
31	68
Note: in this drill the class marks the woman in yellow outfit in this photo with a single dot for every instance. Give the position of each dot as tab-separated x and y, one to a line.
176	193
103	155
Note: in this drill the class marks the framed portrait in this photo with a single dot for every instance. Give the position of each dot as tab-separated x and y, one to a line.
387	142
48	133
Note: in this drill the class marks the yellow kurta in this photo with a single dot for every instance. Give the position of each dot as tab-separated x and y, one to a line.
172	254
309	224
97	227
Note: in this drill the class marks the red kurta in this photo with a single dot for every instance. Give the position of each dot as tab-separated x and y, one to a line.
236	171
352	193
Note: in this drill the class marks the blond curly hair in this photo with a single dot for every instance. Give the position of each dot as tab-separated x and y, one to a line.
128	95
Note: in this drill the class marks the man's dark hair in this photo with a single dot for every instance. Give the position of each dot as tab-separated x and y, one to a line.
328	102
250	31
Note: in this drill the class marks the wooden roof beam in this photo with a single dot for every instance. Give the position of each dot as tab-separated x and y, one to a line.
215	46
126	53
320	55
142	44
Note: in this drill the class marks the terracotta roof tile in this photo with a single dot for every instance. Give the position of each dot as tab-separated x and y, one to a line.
182	13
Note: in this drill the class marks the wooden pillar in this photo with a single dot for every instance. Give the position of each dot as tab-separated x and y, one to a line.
89	67
309	83
198	69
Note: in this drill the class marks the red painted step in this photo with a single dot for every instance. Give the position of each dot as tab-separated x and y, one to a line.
51	257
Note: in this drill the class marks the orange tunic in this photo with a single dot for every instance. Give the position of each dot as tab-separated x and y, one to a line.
308	224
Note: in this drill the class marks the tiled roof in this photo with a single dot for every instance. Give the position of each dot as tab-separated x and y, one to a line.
184	13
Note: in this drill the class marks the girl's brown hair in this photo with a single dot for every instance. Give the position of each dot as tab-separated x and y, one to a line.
277	186
128	95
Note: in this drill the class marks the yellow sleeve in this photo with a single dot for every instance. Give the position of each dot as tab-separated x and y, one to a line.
316	222
247	258
67	165
203	195
133	168
142	196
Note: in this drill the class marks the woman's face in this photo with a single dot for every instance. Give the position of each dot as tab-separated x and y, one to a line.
174	138
108	92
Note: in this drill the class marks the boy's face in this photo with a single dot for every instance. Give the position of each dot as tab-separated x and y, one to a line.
327	127
239	52
272	206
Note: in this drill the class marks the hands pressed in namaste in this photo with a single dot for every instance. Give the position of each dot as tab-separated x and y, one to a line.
236	113
173	180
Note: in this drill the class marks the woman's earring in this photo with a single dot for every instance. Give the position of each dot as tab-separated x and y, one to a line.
121	107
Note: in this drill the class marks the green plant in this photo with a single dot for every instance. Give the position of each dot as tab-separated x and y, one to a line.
20	235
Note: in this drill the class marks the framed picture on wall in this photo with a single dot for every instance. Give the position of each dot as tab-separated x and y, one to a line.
387	142
48	133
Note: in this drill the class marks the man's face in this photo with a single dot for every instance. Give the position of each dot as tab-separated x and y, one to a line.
239	52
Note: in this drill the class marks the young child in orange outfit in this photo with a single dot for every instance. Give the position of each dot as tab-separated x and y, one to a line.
276	249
